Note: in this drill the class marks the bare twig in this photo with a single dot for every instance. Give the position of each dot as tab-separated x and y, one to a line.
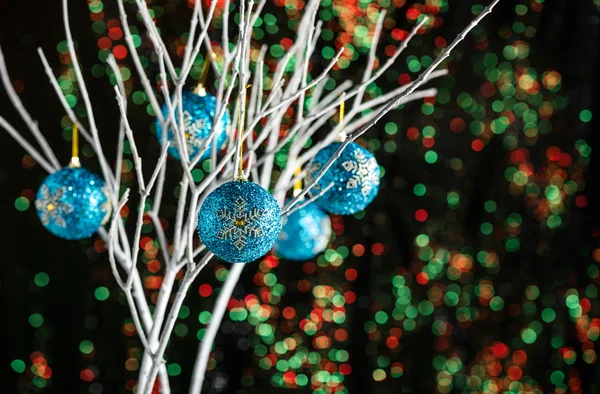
32	124
37	156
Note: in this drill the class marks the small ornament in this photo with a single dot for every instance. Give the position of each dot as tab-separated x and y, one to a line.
73	203
239	221
355	177
199	109
305	233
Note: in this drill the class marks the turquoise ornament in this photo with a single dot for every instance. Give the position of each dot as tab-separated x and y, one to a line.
355	178
72	203
199	110
305	233
239	221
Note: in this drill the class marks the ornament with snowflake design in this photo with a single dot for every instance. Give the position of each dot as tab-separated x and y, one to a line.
198	114
354	177
239	221
73	203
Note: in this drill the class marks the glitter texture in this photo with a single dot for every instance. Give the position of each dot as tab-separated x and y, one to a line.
239	222
72	203
198	114
305	233
355	177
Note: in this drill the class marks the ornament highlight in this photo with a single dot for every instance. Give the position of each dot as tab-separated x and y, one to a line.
355	178
239	221
73	203
305	233
199	110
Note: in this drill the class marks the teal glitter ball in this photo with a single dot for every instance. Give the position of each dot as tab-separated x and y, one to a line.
73	203
239	221
305	233
355	177
198	114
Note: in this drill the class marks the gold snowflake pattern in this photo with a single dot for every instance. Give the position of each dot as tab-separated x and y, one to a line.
190	127
364	173
240	224
52	208
312	170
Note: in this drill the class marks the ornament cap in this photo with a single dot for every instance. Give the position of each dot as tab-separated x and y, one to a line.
240	177
75	162
200	90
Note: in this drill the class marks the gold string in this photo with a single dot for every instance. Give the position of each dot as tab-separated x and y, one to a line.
341	118
200	88
242	119
75	147
298	184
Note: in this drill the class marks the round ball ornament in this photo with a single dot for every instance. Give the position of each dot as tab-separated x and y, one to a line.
355	178
199	110
72	203
239	221
305	234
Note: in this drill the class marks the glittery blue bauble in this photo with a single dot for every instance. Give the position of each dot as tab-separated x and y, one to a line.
198	114
72	203
239	221
305	233
355	177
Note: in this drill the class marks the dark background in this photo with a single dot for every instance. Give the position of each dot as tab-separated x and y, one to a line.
566	41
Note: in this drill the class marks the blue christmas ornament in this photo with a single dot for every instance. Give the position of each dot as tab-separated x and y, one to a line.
73	203
355	177
239	222
199	110
305	234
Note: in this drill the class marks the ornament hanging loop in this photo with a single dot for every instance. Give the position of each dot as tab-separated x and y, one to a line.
342	136
240	176
75	163
200	89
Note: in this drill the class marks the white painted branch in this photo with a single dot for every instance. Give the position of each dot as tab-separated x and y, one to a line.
188	279
187	57
378	74
154	35
187	67
213	327
112	239
32	124
106	172
292	209
371	60
392	104
61	97
333	135
138	63
37	156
